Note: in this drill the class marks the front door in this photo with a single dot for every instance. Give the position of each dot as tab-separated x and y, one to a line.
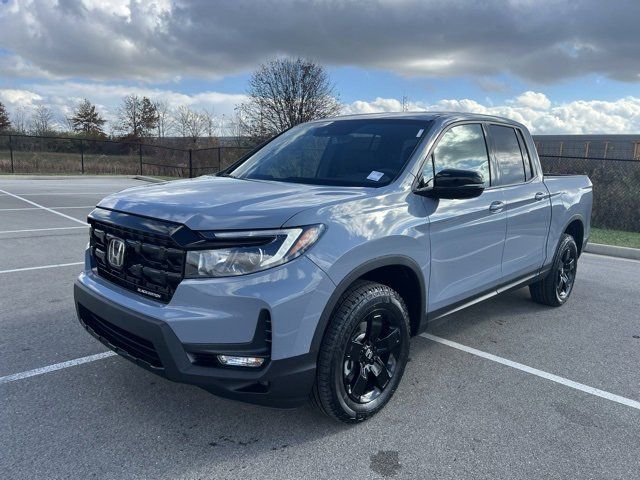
467	236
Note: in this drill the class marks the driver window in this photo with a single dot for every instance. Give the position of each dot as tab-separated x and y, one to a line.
463	148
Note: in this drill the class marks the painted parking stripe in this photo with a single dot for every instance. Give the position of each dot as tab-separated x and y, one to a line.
534	371
43	207
38	208
42	267
41	229
57	366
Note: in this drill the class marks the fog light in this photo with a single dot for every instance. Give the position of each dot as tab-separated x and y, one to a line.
233	361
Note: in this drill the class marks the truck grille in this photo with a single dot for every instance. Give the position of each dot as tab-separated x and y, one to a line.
153	264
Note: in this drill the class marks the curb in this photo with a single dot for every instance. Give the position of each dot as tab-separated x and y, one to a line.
613	251
147	179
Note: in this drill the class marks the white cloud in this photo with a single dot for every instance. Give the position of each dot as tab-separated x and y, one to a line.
535	100
62	97
15	97
534	110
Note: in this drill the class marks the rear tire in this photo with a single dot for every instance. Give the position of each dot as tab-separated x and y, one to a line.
363	353
556	287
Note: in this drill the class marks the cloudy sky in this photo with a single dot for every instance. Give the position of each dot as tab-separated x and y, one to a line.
568	66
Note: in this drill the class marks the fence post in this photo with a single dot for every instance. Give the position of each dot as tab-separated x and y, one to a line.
190	163
81	156
140	154
219	161
11	152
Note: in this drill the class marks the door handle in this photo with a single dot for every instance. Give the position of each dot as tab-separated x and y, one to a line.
540	196
496	206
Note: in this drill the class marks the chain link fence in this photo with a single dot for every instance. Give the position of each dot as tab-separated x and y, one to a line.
24	154
616	187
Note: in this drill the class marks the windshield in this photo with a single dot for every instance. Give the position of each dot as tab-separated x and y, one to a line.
340	152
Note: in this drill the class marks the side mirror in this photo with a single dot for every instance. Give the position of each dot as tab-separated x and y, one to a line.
454	184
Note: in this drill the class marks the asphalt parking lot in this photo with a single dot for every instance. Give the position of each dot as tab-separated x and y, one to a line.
489	395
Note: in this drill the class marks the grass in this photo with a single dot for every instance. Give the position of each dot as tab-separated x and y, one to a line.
615	237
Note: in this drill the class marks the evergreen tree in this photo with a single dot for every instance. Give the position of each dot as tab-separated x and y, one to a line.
5	123
86	119
148	117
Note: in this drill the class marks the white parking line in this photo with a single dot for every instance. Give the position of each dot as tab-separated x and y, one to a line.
38	208
534	371
41	229
43	207
54	367
26	269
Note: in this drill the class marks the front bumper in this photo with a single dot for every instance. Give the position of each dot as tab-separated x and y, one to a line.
152	344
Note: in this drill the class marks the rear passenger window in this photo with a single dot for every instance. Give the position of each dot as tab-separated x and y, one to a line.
507	153
528	166
462	147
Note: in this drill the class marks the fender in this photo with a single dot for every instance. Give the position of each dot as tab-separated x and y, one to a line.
347	281
574	217
550	255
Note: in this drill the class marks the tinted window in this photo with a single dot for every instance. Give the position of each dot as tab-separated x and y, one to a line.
339	152
463	148
507	152
528	167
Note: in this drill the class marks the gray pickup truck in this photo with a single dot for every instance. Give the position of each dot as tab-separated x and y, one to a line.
302	271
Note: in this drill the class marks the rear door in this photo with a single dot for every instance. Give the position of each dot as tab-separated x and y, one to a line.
527	201
467	236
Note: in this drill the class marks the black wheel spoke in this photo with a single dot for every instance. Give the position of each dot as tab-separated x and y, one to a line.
359	386
387	344
374	326
353	351
382	375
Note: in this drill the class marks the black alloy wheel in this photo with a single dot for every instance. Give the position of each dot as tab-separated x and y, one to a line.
371	356
556	287
363	353
566	272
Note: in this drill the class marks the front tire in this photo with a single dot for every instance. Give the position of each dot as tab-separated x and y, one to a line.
363	353
556	287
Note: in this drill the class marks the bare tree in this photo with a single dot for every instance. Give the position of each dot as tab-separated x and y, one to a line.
209	121
19	120
286	92
137	117
86	119
191	124
129	117
5	122
41	122
236	127
165	120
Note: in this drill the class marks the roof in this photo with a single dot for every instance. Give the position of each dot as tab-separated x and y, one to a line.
428	116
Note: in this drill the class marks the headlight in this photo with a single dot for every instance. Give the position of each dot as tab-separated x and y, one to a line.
255	251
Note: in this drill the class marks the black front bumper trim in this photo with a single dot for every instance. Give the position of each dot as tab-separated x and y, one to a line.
282	383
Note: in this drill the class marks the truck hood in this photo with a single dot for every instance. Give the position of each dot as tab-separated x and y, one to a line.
223	203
